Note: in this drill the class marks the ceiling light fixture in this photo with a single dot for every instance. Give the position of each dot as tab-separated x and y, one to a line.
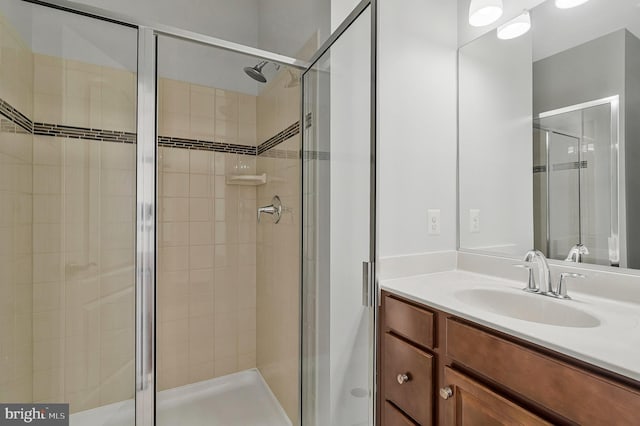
568	4
485	12
516	27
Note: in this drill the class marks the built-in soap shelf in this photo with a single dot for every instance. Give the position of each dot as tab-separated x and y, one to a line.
248	180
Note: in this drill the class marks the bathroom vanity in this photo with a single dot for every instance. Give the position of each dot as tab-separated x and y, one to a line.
447	357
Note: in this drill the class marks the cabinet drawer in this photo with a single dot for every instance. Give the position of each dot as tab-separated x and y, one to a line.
415	395
409	321
571	392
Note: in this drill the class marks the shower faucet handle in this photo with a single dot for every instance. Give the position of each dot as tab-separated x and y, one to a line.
274	209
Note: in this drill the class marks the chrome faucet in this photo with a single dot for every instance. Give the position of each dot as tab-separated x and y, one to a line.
543	284
577	252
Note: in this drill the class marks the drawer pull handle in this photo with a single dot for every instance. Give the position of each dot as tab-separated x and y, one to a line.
403	378
446	393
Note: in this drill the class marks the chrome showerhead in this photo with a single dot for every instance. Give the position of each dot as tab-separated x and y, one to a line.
256	72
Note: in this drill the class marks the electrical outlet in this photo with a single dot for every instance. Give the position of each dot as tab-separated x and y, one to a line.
474	221
433	218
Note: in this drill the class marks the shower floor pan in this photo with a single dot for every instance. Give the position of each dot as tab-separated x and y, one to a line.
241	399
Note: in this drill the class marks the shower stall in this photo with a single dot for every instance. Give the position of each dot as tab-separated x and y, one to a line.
139	284
576	184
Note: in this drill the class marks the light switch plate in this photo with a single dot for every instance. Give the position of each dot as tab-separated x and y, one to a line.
433	218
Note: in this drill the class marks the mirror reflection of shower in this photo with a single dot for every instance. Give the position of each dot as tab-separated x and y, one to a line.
575	179
256	72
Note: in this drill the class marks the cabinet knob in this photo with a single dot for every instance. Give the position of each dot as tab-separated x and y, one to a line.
403	378
446	393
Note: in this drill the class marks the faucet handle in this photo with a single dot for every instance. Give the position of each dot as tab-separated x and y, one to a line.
531	283
562	285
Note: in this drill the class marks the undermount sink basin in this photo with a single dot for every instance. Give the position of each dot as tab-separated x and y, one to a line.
528	307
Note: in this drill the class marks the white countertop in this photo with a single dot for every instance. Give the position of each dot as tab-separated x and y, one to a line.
613	345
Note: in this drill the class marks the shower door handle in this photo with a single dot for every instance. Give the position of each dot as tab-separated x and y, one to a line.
368	291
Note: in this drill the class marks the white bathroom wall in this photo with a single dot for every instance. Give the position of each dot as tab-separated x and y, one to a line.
417	124
234	20
340	9
495	137
285	25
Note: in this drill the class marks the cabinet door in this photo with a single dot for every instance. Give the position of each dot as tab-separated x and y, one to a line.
394	417
469	403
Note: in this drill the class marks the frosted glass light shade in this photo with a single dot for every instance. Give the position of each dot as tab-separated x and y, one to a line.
484	12
568	4
515	27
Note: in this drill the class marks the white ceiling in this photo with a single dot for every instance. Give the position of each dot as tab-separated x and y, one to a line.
556	30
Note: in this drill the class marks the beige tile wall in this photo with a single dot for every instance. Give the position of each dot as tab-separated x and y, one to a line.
207	268
83	271
16	69
83	237
16	285
278	107
84	95
16	248
278	256
207	237
198	112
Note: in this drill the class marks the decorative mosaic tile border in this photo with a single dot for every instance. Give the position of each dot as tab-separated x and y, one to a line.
316	155
171	142
562	166
288	154
287	133
8	126
17	122
58	130
15	116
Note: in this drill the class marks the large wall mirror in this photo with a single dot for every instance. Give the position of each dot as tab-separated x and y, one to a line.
549	136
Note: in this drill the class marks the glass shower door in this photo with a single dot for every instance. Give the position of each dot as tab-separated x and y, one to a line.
67	212
338	192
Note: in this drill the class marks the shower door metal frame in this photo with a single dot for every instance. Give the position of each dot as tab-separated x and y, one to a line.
167	30
146	226
146	177
372	298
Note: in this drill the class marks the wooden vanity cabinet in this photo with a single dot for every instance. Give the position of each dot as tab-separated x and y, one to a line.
407	364
468	402
438	369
